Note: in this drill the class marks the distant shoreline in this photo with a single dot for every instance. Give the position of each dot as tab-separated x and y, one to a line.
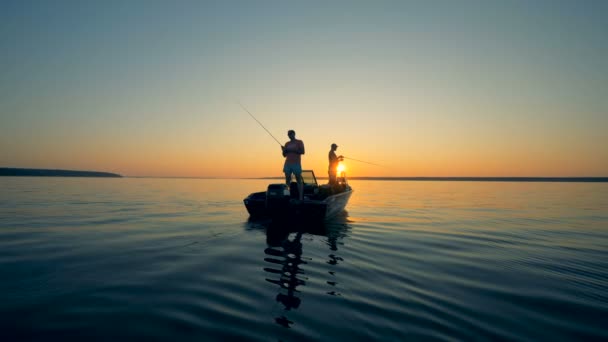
24	172
478	179
491	179
21	172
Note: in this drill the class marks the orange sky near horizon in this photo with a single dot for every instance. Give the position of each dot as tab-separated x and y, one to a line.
247	150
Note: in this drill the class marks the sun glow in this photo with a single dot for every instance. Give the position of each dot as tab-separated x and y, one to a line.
341	168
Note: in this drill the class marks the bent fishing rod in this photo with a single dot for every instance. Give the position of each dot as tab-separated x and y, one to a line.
256	120
267	131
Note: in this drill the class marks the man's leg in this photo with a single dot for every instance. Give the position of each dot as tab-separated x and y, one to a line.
288	178
300	185
332	178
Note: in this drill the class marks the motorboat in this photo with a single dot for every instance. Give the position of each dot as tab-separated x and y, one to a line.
281	201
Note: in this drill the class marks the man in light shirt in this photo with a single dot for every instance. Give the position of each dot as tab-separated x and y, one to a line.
293	151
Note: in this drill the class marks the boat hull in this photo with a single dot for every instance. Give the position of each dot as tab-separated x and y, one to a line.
291	209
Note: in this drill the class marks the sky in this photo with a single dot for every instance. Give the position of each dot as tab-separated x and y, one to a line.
420	88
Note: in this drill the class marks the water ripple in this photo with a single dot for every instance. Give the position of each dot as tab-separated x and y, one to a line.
162	259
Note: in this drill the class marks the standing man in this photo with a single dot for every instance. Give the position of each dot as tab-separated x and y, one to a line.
292	151
333	164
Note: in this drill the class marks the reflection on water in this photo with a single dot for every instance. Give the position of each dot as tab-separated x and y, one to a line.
178	259
286	264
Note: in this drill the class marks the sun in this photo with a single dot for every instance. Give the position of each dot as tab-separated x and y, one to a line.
341	168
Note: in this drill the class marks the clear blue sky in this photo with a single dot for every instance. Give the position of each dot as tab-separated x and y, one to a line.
428	88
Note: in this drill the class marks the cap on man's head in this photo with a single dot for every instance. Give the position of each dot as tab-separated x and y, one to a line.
291	131
334	145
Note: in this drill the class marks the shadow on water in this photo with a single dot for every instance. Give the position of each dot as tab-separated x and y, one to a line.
285	260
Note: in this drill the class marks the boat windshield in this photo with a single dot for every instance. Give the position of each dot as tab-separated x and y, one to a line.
308	176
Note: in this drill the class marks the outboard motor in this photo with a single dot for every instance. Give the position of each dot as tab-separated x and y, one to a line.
277	197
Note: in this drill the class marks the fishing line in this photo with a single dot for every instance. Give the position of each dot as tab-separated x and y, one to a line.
256	120
361	161
267	131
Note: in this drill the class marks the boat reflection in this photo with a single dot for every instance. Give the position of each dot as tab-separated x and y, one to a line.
285	260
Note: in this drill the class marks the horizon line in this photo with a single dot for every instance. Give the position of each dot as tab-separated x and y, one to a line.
65	173
597	179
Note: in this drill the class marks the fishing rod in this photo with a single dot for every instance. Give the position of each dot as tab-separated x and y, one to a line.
361	161
256	120
267	131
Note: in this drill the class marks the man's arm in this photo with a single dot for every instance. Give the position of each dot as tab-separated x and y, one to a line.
289	149
298	148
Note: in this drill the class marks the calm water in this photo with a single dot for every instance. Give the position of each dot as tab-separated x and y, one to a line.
159	259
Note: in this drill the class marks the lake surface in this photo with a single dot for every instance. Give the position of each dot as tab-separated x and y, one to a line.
86	259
